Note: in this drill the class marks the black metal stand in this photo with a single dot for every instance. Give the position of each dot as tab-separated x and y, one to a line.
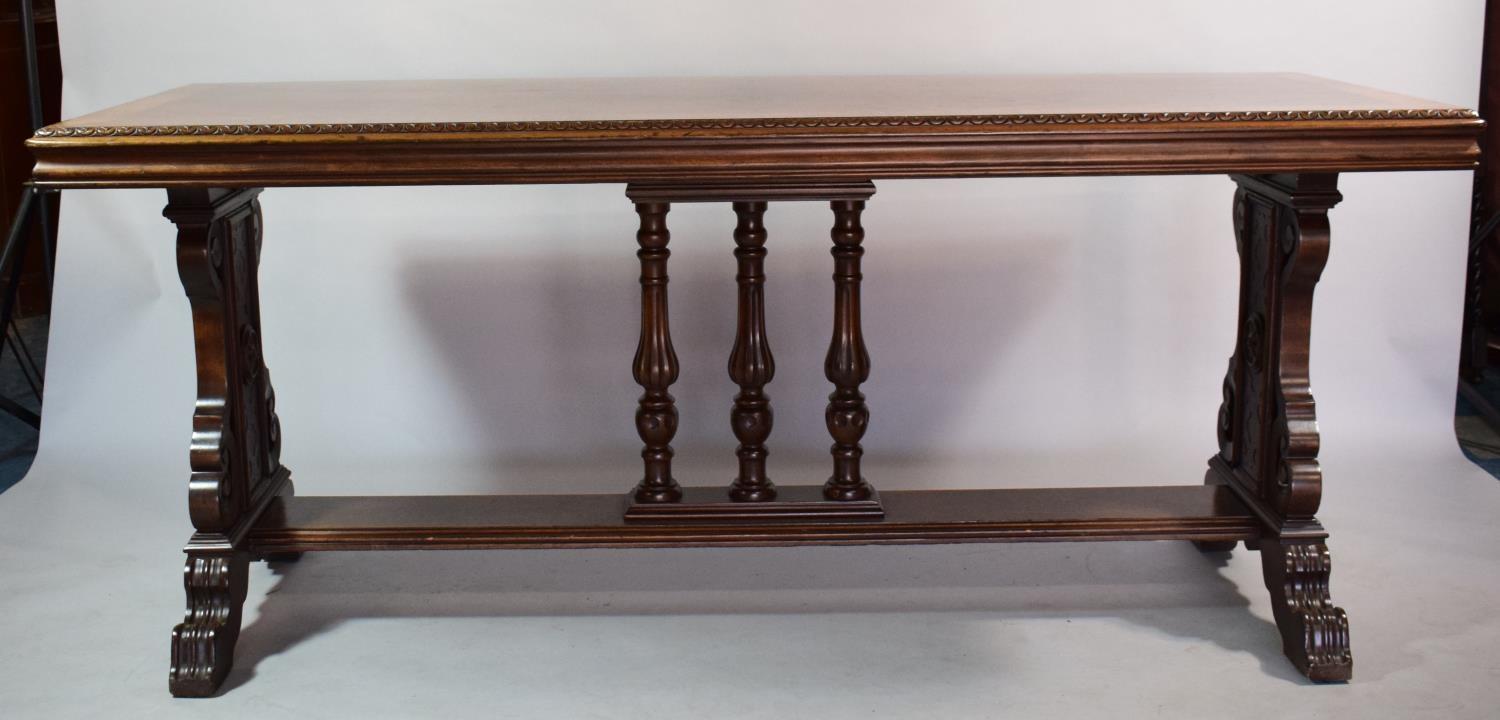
34	203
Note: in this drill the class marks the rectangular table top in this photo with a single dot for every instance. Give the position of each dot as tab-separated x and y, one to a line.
664	129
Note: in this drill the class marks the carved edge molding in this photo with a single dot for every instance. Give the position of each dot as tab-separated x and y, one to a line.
65	131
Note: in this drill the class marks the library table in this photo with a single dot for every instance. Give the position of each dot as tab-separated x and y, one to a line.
748	142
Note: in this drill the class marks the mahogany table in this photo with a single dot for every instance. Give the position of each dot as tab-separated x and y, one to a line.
748	142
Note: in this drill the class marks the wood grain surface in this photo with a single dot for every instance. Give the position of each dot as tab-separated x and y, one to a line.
748	129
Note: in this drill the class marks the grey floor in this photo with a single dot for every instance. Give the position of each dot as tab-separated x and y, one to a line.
1065	630
1122	630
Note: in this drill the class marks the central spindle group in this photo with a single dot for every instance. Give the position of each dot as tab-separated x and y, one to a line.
751	364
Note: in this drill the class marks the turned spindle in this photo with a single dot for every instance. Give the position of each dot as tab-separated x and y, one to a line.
848	363
750	363
655	366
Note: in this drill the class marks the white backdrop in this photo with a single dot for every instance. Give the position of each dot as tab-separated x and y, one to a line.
464	339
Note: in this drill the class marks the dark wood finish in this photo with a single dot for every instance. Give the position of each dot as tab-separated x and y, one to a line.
655	367
751	141
1268	433
1182	512
848	362
751	365
1314	633
1268	430
780	191
793	502
235	454
697	130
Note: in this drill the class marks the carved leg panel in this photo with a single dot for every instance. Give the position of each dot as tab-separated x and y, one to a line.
203	644
1314	633
235	455
1268	430
236	445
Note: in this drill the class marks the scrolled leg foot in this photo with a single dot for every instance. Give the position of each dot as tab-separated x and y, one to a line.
1314	632
751	365
1267	423
203	644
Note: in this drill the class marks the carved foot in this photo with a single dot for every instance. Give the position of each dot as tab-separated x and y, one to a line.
1314	633
203	644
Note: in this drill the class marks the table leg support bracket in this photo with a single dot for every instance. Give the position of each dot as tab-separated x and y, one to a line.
235	452
1268	431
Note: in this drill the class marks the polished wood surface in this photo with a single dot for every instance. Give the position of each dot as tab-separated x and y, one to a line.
751	366
729	129
748	142
235	454
735	98
847	363
1183	512
656	366
792	502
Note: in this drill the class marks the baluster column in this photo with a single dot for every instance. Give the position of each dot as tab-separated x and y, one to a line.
848	362
655	367
750	363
